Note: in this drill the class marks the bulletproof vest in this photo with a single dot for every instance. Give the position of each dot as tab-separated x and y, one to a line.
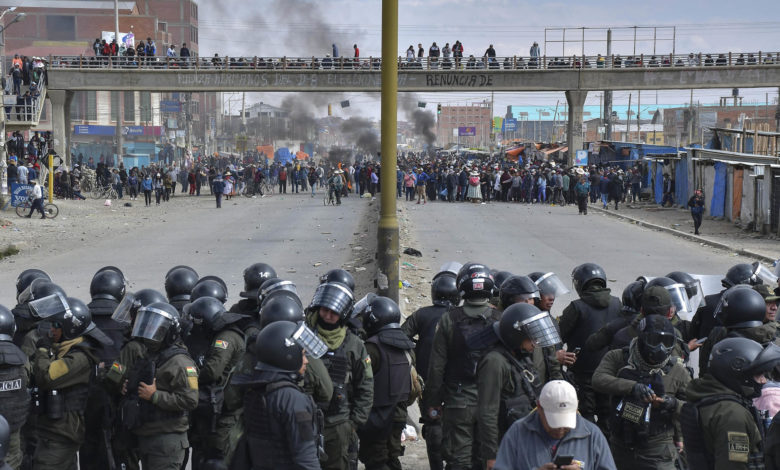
527	383
198	343
101	310
337	363
73	398
14	399
590	321
266	448
214	396
461	360
392	381
707	315
633	422
427	319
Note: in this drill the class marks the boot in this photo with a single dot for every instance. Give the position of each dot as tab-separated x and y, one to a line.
43	217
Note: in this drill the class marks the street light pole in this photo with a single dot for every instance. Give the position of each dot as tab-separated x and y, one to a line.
4	189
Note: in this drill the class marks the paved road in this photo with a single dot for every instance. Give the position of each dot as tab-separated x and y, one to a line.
291	232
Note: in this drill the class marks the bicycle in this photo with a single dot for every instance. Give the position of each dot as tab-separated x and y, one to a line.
252	190
269	189
50	209
104	192
330	197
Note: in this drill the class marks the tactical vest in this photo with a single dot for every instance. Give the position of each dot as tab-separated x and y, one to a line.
591	319
101	310
696	451
267	450
527	383
69	399
462	361
392	381
630	423
337	363
14	398
198	343
427	319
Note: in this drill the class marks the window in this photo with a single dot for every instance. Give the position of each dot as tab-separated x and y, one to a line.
194	10
61	28
146	106
129	106
91	114
162	26
114	105
194	35
195	107
77	106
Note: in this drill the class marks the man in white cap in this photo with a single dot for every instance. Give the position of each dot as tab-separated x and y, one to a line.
554	436
36	194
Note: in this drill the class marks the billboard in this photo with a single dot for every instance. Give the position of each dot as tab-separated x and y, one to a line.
467	131
510	125
169	106
126	39
581	158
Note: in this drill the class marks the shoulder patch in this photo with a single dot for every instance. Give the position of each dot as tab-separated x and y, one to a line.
192	377
221	344
192	372
739	447
117	367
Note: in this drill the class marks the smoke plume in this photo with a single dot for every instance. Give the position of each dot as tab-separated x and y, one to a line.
422	120
361	132
336	155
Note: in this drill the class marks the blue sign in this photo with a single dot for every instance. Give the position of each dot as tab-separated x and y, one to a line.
510	125
93	130
467	131
133	130
19	193
168	106
581	158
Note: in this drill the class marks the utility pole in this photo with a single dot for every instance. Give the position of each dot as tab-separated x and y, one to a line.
608	93
627	134
638	112
120	100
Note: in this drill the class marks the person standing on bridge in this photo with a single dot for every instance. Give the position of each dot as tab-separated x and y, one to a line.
535	55
335	50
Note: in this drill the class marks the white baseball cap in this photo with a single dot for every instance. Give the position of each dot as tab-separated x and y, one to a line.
559	402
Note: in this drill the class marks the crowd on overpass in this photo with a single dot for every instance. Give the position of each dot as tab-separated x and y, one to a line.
22	86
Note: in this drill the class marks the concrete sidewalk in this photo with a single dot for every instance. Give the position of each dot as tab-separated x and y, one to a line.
718	233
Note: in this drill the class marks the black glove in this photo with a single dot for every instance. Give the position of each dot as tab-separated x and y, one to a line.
669	404
45	342
642	392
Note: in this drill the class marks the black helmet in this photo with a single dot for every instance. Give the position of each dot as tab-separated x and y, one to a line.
735	361
7	324
158	322
450	268
741	307
181	266
210	312
110	268
549	284
280	308
340	276
517	288
76	320
334	296
444	291
38	289
742	273
254	276
179	283
475	282
632	297
218	279
209	288
525	321
272	285
147	296
656	339
587	274
381	313
677	292
126	311
282	293
690	283
500	276
5	438
107	284
276	350
27	277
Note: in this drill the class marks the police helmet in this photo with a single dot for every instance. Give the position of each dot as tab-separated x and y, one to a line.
586	275
147	296
76	320
632	297
525	321
444	291
276	350
334	296
381	313
5	438
7	324
274	284
741	273
107	284
282	293
500	276
209	288
181	266
179	283
38	289
741	307
280	308
450	268
27	277
656	339
735	361
210	312
339	275
158	322
691	284
475	282
110	268
254	276
549	284
218	279
516	289
677	292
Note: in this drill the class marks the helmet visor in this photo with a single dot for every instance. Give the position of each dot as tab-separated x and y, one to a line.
697	300
362	304
152	324
281	285
49	306
765	274
679	298
541	329
450	267
551	284
658	338
335	297
309	341
123	312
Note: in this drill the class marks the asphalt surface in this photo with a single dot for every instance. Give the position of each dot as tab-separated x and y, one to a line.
291	232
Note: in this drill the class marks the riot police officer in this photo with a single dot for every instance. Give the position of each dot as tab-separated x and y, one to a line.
581	318
179	283
509	382
339	275
720	426
5	443
29	329
254	277
349	367
24	322
452	371
391	353
647	388
14	381
209	286
550	287
422	324
282	428
632	306
216	343
63	368
158	382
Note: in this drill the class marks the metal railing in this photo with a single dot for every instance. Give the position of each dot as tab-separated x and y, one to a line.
471	62
20	110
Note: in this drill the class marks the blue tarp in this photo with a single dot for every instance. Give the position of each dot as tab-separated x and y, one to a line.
283	156
659	182
718	205
681	182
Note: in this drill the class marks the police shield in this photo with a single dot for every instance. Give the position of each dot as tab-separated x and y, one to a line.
49	306
308	340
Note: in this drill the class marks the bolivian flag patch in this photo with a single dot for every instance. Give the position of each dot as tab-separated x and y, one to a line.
221	344
117	367
192	378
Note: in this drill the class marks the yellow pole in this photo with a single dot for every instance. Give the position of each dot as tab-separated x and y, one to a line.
387	233
51	177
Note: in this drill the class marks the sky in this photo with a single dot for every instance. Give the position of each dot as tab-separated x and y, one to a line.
307	28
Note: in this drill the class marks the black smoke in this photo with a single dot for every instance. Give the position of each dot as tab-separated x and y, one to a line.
423	121
361	133
338	155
